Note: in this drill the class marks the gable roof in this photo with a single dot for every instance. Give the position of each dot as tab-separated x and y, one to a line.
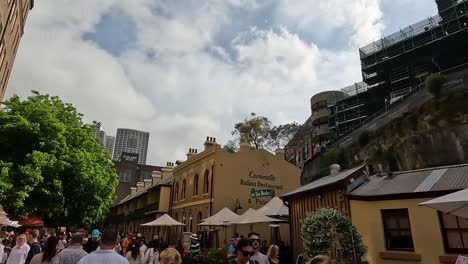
325	181
416	182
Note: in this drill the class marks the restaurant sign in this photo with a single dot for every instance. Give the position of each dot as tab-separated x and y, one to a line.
262	193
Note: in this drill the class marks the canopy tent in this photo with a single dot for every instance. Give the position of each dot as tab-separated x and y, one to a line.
455	203
252	216
164	220
220	218
32	221
5	221
275	207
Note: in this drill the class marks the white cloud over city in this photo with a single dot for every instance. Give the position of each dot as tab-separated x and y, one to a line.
184	70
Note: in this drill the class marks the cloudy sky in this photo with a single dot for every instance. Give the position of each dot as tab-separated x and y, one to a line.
187	69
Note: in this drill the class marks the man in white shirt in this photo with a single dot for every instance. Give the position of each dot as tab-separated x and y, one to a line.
74	252
106	253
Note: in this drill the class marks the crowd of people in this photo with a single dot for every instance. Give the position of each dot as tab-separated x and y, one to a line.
110	247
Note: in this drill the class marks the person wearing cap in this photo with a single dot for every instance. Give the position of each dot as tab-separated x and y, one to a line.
74	252
194	245
106	253
92	244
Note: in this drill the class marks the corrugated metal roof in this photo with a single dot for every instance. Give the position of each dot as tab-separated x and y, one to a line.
327	180
426	180
430	180
129	197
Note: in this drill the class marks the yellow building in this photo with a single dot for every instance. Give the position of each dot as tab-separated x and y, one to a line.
396	230
214	178
148	200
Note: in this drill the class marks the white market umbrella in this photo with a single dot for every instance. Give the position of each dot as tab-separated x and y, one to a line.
164	220
252	216
220	218
275	207
455	203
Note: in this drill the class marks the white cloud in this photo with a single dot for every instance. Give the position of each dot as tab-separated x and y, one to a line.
192	87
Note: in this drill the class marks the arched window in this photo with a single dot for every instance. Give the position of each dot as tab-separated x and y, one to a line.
206	182
199	219
184	185
176	217
176	192
184	221
190	223
195	185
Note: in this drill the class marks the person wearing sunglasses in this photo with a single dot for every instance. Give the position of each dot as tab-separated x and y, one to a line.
258	257
244	251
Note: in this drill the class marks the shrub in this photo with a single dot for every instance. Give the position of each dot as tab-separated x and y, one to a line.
213	256
433	84
330	232
363	139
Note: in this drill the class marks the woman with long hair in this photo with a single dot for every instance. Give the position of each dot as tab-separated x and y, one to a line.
19	253
49	253
170	256
133	253
272	254
152	253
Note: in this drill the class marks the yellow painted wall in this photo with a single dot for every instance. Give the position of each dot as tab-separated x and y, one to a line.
229	169
425	229
164	199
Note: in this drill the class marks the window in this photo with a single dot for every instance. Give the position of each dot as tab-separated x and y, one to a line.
184	185
195	185
176	192
124	176
190	223
199	219
455	233
132	143
206	182
397	230
2	55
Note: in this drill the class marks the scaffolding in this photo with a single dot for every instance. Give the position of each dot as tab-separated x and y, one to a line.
451	19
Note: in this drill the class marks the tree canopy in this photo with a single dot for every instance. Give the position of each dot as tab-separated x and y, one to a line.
50	164
330	232
259	133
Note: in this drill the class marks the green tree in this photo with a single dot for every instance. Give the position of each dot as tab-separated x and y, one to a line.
335	156
280	136
253	130
433	84
50	164
329	231
230	146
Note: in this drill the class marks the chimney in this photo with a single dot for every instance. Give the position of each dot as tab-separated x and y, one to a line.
334	169
210	142
140	186
280	153
178	162
156	177
133	191
244	146
147	182
192	152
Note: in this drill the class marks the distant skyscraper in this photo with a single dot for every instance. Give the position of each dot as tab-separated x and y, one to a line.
110	140
131	141
100	134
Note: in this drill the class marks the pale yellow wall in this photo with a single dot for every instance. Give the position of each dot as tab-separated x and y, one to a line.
425	229
231	168
164	198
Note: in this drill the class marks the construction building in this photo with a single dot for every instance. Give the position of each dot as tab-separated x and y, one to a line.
13	14
396	65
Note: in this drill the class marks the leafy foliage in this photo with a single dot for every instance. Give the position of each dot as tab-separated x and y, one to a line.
433	84
50	164
230	146
335	156
330	232
213	256
257	131
363	139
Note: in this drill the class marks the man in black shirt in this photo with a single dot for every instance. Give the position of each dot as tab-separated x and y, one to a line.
92	244
244	251
35	247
